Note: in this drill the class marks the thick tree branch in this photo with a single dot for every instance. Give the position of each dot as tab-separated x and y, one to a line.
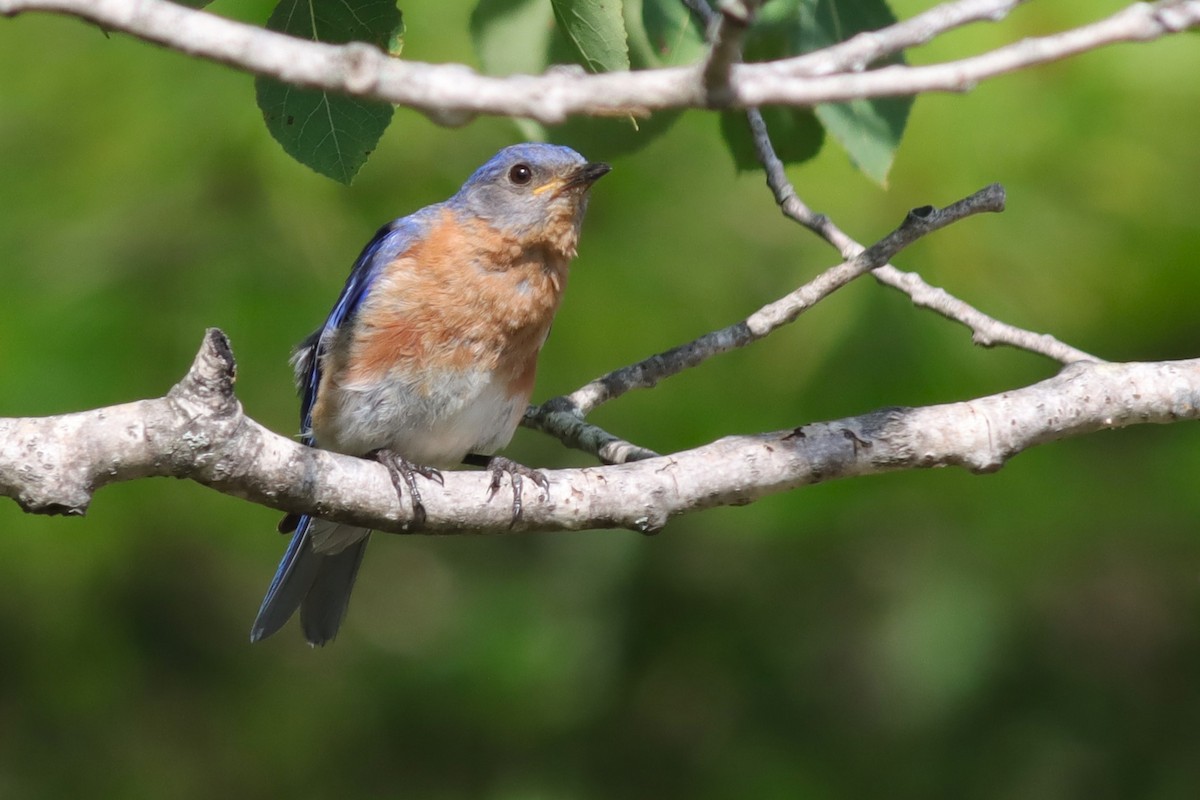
452	93
198	430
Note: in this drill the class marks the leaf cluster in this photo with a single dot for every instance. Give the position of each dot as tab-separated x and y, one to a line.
335	134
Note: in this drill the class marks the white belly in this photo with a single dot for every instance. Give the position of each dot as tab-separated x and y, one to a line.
469	413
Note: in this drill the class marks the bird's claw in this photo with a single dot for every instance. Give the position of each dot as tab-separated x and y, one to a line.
403	474
500	466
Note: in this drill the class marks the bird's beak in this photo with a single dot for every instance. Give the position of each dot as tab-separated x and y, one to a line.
581	178
587	175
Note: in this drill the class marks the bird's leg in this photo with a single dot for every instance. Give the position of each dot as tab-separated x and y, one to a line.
499	466
404	475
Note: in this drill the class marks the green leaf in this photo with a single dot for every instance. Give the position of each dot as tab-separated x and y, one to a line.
330	133
795	133
376	22
826	22
674	34
604	138
194	3
519	36
597	29
868	130
778	29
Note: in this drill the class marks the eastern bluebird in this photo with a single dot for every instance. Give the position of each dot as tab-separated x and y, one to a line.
428	357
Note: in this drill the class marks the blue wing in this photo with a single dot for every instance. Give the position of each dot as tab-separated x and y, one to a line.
389	242
320	584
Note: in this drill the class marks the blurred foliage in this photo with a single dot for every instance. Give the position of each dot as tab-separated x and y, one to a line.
1033	633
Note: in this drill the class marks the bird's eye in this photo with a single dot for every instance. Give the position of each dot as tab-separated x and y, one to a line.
520	174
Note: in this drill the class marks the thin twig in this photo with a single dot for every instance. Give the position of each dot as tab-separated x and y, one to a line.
985	330
647	373
857	52
558	418
860	51
863	49
1139	22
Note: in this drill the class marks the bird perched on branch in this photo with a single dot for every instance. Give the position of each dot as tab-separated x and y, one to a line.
427	359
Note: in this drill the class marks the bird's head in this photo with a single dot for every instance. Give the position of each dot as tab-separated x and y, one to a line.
533	193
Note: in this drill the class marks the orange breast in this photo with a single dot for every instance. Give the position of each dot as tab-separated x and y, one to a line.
464	298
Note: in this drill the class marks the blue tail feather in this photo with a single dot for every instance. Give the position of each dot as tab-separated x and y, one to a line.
317	584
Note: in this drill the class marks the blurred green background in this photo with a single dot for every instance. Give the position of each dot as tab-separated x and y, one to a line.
1033	633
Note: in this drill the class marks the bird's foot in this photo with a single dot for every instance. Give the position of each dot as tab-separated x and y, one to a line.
500	466
404	477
